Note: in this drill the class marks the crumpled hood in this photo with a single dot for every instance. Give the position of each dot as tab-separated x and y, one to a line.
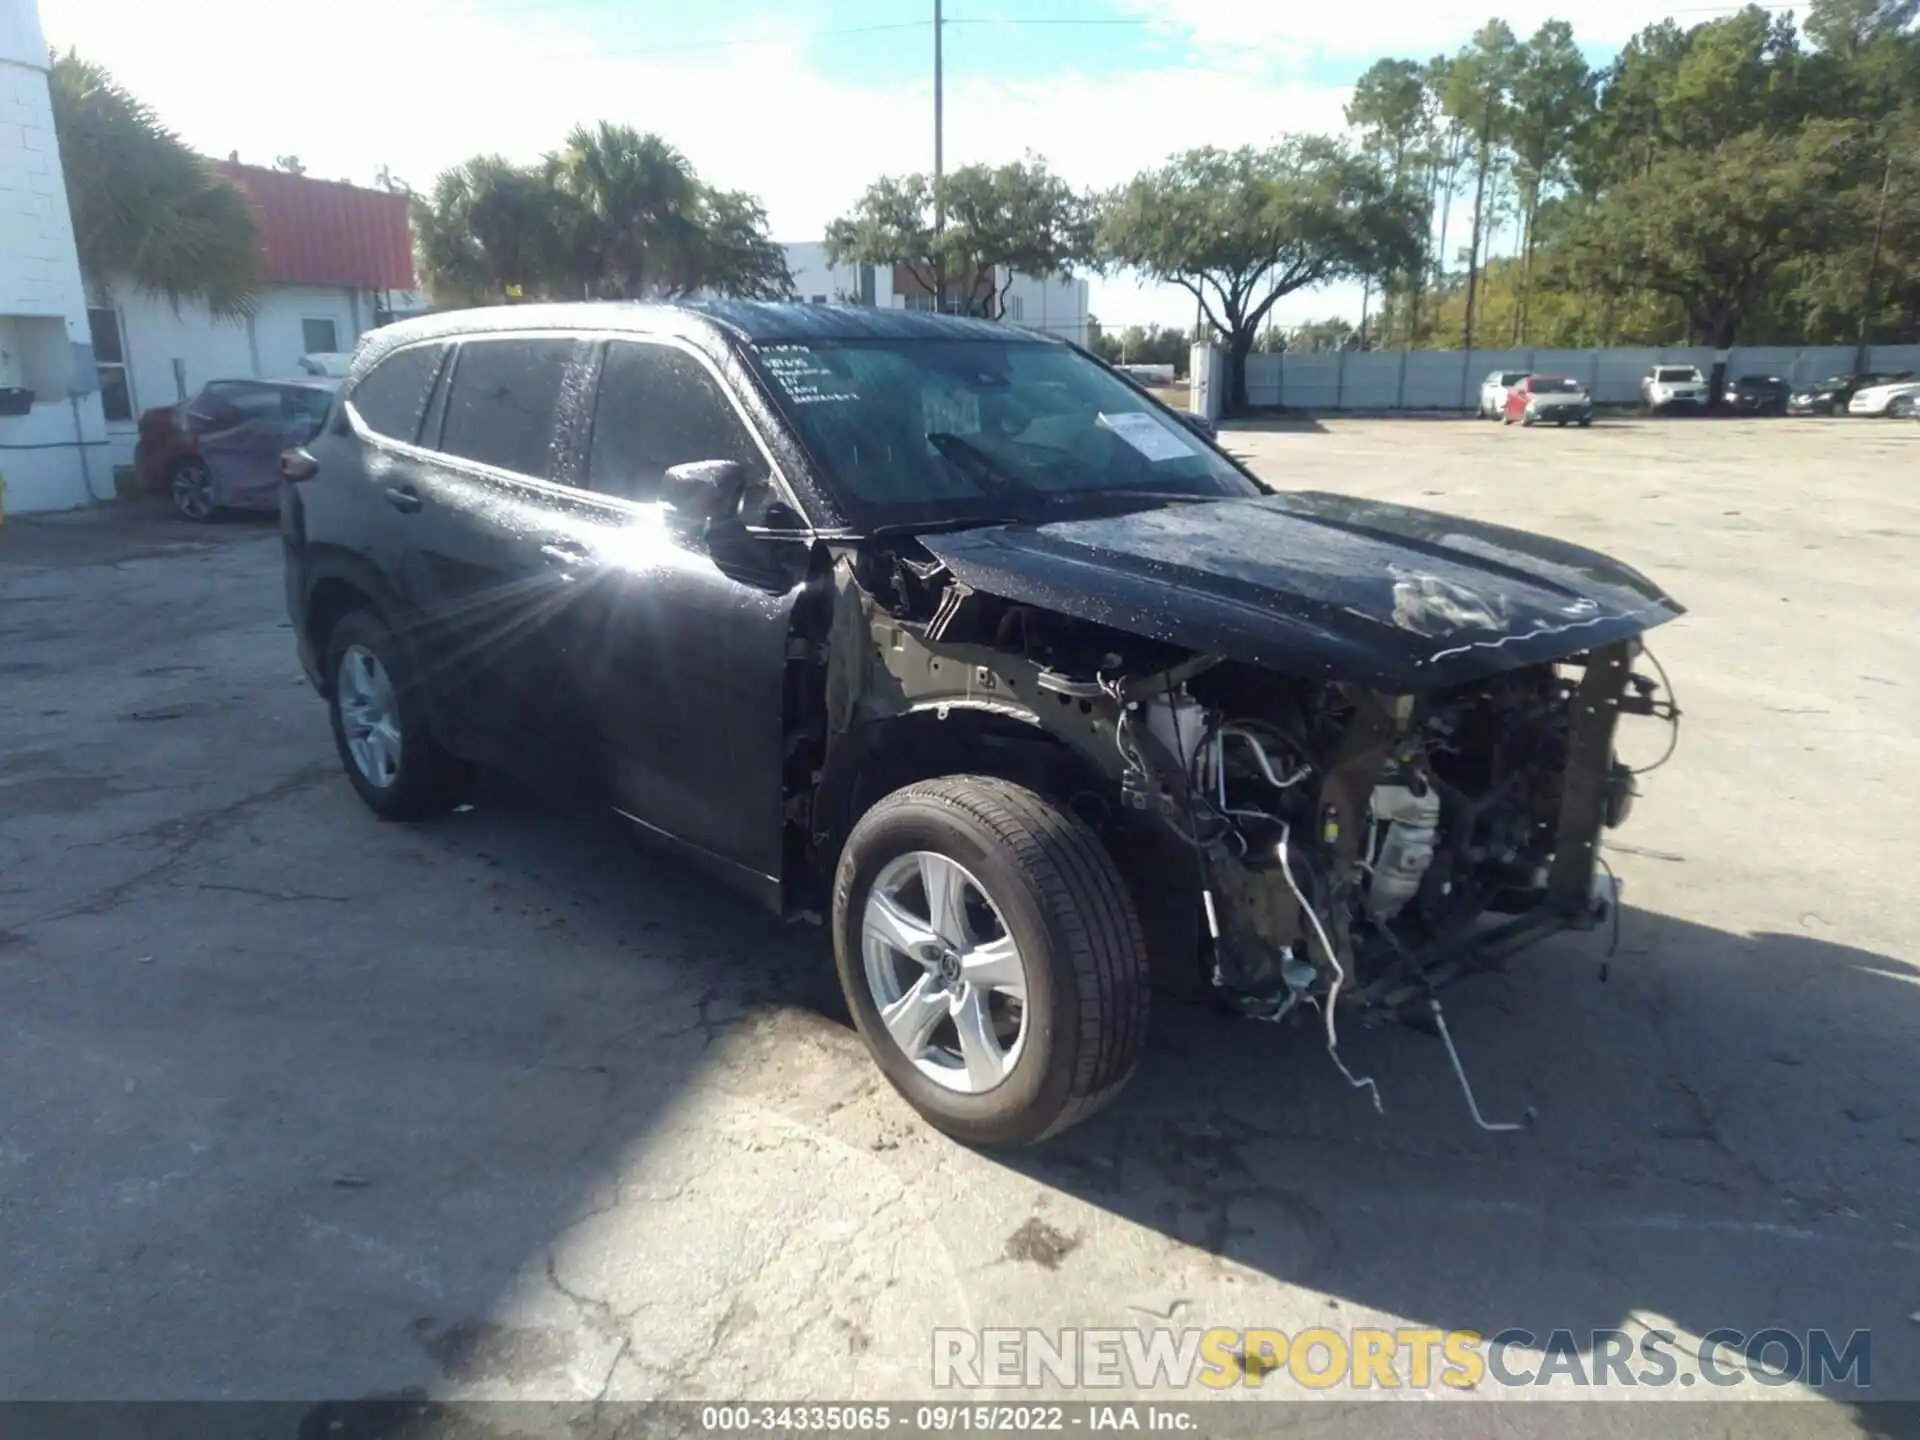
1321	585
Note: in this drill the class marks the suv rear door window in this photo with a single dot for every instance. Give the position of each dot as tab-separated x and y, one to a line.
657	407
390	397
501	408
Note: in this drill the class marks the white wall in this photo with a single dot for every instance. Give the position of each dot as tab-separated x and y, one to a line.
1056	306
48	456
1450	379
267	344
814	278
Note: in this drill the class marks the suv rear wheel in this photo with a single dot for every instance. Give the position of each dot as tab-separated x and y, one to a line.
992	958
190	488
391	760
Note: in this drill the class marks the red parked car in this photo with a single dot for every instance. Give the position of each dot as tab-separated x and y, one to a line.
1549	399
221	449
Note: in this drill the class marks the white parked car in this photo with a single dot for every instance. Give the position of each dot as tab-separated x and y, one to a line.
1494	391
1897	398
1674	387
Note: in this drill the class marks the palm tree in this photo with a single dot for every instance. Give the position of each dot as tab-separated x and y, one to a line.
637	208
491	229
731	254
144	206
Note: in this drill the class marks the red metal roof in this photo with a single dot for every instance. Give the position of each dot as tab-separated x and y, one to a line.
325	232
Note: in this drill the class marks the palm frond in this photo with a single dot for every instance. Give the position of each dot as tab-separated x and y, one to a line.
145	207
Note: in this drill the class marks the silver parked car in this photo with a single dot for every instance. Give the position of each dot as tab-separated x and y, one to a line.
1674	387
1494	391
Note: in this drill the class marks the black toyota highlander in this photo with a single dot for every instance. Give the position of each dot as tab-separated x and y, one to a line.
941	631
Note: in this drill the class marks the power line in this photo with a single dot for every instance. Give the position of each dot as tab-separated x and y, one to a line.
1070	20
784	38
897	26
532	7
744	42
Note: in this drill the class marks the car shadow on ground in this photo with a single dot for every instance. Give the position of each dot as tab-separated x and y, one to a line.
1703	1157
1685	1169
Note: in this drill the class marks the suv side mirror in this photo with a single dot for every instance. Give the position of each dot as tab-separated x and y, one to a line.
704	489
1199	424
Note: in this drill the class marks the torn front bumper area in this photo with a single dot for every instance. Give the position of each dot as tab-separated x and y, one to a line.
1580	893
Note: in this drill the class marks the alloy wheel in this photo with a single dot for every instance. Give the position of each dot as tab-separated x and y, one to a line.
944	972
369	715
192	489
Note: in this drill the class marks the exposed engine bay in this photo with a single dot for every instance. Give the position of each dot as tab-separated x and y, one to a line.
1334	846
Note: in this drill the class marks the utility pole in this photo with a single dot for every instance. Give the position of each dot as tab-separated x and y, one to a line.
939	140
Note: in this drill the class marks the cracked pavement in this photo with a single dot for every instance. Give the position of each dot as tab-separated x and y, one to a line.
301	1105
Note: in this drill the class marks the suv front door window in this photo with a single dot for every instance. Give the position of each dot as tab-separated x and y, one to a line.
657	407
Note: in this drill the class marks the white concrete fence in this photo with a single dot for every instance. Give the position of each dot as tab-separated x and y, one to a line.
1450	379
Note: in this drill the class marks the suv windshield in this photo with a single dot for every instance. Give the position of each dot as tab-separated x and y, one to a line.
1671	374
924	431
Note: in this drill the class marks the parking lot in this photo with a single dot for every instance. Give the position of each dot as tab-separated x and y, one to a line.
298	1104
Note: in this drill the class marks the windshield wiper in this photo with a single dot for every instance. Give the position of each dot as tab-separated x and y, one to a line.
981	466
951	522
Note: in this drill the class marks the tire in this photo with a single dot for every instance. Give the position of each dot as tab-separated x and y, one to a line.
1585	421
1051	890
190	490
423	780
1900	408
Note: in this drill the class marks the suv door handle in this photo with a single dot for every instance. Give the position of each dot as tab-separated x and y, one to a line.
405	498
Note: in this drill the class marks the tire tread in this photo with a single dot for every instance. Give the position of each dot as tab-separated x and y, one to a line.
1093	914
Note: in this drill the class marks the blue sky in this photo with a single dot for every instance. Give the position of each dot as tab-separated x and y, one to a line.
801	104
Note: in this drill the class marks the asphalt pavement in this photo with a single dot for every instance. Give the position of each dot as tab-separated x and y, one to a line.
301	1105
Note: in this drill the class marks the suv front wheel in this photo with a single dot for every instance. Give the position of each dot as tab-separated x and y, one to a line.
992	958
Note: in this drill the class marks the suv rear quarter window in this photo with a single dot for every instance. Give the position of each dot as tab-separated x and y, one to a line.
500	409
390	398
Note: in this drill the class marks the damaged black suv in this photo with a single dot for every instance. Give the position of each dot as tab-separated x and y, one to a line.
943	631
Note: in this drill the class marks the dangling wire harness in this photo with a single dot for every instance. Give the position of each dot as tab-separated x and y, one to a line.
1359	1082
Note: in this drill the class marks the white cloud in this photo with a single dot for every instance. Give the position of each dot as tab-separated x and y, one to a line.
380	82
1299	37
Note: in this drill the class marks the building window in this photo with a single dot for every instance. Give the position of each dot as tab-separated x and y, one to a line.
110	359
920	302
319	337
1016	307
